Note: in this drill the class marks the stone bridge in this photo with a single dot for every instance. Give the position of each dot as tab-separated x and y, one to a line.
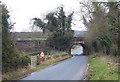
79	39
83	44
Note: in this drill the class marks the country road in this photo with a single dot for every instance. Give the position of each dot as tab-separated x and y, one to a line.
78	50
70	69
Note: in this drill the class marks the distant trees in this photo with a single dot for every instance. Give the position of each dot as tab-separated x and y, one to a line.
103	27
59	26
11	58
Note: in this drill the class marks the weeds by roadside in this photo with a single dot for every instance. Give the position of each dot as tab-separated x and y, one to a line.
102	67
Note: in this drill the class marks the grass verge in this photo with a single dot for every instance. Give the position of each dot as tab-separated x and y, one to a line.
27	70
102	67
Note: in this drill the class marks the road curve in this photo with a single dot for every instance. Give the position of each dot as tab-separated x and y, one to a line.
70	69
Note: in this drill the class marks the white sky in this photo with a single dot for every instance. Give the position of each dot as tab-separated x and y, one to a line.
22	11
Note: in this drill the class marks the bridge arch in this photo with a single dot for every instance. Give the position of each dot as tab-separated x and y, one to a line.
84	46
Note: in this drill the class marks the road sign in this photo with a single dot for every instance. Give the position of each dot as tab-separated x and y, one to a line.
33	61
42	55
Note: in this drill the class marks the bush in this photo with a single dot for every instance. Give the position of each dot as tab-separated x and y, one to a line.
25	60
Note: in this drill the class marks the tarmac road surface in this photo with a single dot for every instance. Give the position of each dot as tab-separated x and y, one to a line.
70	69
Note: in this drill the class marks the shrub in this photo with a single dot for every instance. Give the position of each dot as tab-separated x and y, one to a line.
25	60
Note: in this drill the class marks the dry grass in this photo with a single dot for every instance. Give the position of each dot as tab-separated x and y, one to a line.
15	74
109	59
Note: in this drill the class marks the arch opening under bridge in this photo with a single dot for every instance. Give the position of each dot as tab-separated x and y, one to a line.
82	44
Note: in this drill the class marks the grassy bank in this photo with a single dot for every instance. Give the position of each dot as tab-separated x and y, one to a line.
27	70
102	67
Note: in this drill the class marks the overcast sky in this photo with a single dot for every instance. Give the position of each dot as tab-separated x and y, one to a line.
22	11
